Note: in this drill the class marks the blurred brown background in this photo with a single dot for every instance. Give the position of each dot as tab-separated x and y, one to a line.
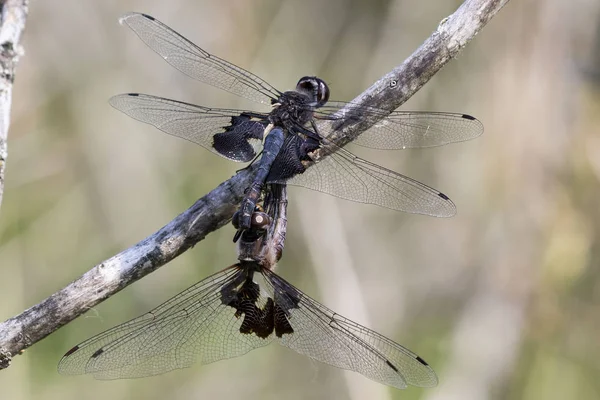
503	300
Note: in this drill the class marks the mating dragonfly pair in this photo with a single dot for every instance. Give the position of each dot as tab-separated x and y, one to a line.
243	307
247	305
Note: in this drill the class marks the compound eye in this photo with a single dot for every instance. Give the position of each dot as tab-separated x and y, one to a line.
314	87
323	93
306	84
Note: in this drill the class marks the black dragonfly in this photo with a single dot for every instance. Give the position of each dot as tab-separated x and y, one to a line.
290	135
244	307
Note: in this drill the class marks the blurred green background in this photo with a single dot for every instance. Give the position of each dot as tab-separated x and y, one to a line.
503	300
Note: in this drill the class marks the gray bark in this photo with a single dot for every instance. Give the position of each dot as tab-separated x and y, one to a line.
13	14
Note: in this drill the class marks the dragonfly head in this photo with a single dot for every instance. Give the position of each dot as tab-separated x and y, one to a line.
315	88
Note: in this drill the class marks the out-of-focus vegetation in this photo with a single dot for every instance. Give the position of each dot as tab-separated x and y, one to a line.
503	300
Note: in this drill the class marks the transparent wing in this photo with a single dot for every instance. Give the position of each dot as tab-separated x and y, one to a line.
400	129
330	338
197	63
346	176
193	326
224	132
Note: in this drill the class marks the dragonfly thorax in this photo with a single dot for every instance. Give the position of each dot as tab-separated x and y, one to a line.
296	107
292	109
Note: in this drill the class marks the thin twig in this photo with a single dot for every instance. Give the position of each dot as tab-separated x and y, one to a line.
13	14
216	208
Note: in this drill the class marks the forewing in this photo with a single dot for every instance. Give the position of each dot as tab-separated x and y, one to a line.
346	176
197	63
228	133
328	337
193	326
399	129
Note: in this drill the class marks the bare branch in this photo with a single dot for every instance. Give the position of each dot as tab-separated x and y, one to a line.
13	14
216	208
107	278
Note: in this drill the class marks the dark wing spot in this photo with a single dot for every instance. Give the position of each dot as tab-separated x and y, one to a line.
419	359
97	353
392	366
443	196
73	350
259	321
281	323
470	118
234	141
133	94
149	17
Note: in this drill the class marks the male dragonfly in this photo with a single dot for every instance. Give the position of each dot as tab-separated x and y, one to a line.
239	309
289	135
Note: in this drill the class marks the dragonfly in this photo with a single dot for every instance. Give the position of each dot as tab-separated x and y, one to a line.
241	308
292	143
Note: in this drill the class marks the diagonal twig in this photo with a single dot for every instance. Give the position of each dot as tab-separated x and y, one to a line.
216	208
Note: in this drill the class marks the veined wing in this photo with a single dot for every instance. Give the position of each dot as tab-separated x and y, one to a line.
346	176
399	129
195	325
228	133
197	63
320	333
